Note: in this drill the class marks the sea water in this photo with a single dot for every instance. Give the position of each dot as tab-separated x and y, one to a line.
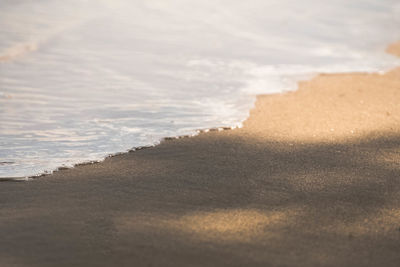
80	80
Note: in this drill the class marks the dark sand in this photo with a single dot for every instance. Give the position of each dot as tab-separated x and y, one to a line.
313	179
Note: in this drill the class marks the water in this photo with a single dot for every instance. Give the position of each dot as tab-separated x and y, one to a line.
80	80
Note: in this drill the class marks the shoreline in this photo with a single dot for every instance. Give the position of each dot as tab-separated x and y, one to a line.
284	190
62	168
391	49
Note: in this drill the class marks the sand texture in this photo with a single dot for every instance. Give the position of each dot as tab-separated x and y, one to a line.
312	179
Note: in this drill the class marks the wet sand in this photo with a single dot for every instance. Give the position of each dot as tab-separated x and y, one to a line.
312	179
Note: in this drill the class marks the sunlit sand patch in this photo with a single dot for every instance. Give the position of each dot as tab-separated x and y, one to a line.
330	107
355	108
237	225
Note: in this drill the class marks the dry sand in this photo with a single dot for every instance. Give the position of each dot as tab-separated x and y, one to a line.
313	179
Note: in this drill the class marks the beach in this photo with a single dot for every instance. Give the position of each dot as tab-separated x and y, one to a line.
312	179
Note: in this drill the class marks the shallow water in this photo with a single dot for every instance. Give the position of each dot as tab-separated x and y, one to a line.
80	80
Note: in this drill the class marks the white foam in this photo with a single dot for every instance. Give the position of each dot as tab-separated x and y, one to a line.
80	80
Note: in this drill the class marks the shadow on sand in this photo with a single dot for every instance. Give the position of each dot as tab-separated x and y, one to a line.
213	200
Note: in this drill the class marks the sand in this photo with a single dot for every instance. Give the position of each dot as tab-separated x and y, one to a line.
312	179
